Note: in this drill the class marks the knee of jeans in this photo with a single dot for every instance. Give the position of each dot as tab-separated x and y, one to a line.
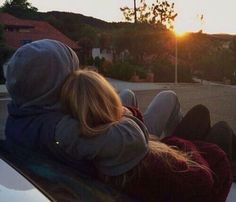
128	98
169	93
127	92
169	96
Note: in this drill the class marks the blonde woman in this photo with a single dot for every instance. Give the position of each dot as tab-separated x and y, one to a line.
172	170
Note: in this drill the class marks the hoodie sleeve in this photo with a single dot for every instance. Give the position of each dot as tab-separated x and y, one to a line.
114	152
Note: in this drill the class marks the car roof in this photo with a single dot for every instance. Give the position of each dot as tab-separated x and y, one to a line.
15	187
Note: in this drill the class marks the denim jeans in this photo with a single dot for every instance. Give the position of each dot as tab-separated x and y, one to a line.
162	115
163	118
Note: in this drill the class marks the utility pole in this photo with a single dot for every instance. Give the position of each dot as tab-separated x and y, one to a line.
176	59
135	12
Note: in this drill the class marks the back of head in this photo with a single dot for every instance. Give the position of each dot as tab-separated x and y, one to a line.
89	97
36	72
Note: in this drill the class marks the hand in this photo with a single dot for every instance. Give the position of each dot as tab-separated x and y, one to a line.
126	111
153	137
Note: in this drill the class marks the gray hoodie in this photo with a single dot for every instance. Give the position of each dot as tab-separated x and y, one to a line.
34	77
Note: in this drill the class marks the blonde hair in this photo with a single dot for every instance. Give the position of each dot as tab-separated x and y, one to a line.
171	154
88	97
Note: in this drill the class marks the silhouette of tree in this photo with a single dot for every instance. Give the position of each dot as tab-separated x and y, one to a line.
20	4
1	35
160	12
233	45
19	8
86	46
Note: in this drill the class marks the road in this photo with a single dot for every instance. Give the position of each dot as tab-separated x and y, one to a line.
221	101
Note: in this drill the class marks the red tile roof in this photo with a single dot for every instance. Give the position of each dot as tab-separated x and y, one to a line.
8	19
37	30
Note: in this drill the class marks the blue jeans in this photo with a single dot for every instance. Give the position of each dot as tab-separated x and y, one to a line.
162	115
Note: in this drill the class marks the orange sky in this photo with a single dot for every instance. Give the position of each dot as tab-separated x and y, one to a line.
219	15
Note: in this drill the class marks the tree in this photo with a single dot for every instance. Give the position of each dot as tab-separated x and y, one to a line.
160	12
233	44
1	35
5	53
19	8
86	46
142	43
142	12
163	12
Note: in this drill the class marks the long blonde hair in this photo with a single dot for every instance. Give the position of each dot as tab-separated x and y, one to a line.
88	97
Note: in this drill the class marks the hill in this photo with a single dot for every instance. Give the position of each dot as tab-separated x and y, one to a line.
150	47
224	36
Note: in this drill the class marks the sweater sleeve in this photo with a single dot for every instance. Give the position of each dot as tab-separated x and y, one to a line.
187	147
179	182
136	112
114	152
217	182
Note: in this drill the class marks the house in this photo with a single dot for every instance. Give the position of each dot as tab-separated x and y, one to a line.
18	32
105	53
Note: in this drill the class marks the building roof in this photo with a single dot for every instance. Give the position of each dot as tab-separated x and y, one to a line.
37	30
8	19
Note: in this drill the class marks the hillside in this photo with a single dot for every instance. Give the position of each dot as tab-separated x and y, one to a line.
77	19
150	47
224	36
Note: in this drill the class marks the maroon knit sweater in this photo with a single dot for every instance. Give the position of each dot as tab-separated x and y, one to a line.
158	182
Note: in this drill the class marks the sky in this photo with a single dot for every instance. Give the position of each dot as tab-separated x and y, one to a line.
219	15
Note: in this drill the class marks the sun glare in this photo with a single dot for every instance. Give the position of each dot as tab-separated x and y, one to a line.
180	29
180	33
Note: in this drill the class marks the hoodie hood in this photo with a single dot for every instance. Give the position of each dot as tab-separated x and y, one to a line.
36	72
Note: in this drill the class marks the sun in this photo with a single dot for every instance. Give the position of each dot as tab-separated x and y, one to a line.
183	25
180	29
180	33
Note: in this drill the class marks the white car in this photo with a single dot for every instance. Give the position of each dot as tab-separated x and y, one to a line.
41	180
16	187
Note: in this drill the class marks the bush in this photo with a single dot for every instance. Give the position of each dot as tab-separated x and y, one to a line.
163	70
5	54
89	61
122	71
184	72
105	68
125	70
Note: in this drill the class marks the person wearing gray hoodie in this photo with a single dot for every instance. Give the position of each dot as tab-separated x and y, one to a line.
34	77
36	122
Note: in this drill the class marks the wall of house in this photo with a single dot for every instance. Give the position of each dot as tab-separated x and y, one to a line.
107	54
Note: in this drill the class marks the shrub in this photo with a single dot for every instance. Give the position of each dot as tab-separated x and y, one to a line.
122	71
163	70
125	70
5	54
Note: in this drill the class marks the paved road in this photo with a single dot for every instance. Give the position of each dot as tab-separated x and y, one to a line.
221	100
